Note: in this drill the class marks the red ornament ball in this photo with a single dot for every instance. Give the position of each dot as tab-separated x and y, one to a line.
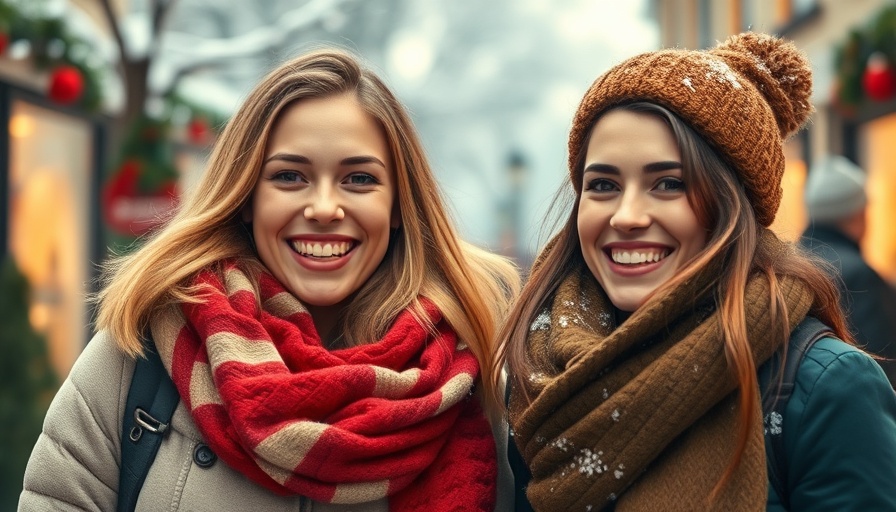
198	130
4	42
879	79
66	84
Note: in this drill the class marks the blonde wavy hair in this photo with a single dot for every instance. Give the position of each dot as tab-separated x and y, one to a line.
471	286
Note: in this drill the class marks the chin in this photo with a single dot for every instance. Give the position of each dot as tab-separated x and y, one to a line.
628	304
321	302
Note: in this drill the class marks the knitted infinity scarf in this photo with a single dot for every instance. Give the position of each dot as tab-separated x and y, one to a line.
394	418
643	414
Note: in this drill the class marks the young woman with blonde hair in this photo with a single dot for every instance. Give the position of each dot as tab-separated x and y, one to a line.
636	348
322	322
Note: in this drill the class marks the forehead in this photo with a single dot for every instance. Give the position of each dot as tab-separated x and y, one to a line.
626	135
328	118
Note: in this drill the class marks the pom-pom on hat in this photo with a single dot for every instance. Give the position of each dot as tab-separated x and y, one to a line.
835	189
745	97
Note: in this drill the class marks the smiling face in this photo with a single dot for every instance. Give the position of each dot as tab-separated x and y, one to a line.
322	208
636	226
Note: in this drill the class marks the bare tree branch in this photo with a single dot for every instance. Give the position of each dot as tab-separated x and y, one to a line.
185	71
115	28
187	54
202	49
159	11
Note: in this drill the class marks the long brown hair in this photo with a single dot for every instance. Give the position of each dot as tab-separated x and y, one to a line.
720	203
471	287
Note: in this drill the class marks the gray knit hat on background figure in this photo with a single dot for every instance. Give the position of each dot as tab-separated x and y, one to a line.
835	189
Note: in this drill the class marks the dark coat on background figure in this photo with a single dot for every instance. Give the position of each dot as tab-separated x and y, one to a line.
868	300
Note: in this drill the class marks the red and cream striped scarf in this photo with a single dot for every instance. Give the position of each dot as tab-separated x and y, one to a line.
391	419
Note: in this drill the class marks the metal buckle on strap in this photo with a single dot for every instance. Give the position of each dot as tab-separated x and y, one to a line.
145	421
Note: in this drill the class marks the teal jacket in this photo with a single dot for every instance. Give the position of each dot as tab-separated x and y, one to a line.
839	432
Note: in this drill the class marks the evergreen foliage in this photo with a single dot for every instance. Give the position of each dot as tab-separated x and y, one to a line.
27	382
851	56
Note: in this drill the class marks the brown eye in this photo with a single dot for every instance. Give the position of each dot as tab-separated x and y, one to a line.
286	177
601	185
670	184
361	179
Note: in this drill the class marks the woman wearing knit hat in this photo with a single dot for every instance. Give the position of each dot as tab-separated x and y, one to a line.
323	326
635	347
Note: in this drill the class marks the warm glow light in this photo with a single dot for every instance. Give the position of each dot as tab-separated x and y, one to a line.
21	126
879	244
791	219
48	232
790	222
39	316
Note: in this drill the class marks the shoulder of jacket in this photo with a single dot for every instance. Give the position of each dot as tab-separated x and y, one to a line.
102	374
831	357
101	356
827	350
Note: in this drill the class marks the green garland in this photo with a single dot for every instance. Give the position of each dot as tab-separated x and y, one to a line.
851	56
52	45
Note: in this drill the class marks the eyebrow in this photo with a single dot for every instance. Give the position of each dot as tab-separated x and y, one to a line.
299	159
355	160
651	167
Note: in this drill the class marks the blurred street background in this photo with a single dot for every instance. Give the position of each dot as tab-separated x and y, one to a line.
108	109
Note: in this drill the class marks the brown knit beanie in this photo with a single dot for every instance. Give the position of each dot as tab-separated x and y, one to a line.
745	97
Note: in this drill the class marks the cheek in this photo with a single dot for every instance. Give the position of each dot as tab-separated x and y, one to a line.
263	218
689	231
589	222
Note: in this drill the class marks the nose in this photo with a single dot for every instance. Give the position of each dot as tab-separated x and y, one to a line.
324	206
631	212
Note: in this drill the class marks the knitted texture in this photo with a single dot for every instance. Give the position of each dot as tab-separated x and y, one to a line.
391	419
644	412
745	97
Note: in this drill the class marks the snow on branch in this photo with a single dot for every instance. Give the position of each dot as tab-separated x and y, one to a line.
197	50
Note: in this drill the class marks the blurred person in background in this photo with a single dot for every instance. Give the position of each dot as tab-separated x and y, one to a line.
329	335
836	203
647	335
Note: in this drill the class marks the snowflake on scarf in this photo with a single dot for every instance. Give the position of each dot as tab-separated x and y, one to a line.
772	422
590	463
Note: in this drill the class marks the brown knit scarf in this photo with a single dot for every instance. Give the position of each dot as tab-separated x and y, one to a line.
392	419
643	415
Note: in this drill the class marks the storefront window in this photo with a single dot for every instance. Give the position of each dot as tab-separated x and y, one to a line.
49	226
879	245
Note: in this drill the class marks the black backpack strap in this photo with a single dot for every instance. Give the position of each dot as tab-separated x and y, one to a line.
151	401
776	394
518	466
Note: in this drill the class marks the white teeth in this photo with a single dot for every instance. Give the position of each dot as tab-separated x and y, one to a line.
321	250
637	257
